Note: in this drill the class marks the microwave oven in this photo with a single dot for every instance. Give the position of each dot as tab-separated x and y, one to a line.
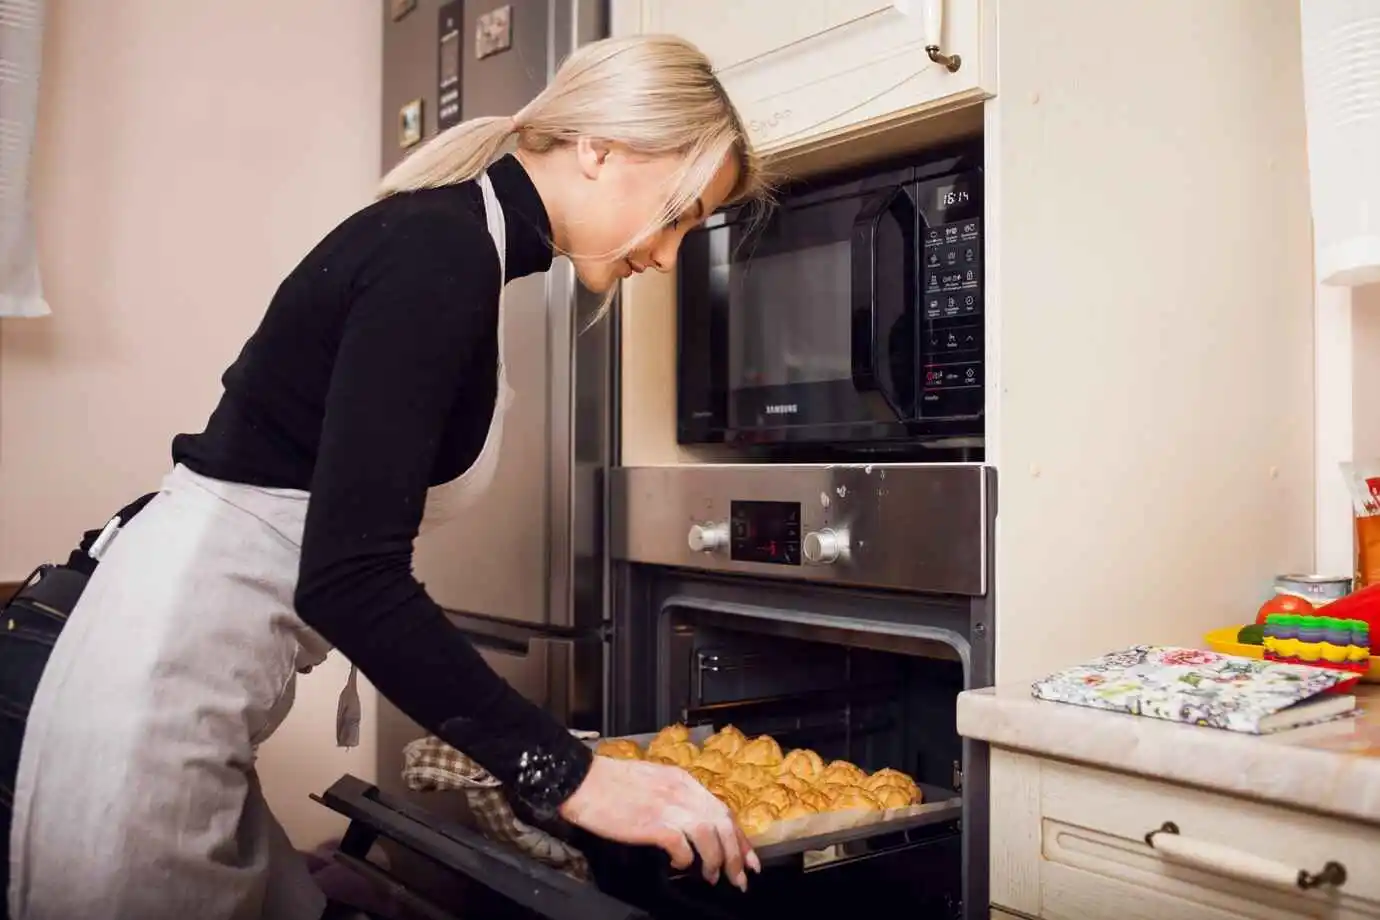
850	317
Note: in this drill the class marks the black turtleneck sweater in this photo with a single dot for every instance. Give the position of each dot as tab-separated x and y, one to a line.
371	378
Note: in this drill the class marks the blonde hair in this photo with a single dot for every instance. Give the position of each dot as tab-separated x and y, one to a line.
655	94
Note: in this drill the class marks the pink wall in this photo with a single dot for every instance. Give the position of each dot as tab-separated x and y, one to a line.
189	154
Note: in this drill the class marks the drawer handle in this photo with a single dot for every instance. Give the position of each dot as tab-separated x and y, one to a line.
1214	856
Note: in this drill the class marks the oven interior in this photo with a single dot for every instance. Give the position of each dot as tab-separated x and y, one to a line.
871	697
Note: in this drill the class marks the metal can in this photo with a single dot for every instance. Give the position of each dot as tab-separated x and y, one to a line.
1318	590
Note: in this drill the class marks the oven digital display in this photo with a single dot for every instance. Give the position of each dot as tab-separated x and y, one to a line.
766	532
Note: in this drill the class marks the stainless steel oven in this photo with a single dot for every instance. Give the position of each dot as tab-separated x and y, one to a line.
840	608
852	316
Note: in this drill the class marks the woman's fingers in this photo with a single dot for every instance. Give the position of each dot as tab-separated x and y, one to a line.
705	837
733	850
750	859
673	841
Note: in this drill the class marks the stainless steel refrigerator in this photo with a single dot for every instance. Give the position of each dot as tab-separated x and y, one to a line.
524	573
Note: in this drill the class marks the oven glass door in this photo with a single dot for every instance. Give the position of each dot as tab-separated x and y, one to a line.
814	312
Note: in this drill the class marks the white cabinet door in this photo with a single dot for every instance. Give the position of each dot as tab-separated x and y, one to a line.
802	69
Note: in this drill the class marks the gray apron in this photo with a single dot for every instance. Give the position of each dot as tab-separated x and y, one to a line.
136	797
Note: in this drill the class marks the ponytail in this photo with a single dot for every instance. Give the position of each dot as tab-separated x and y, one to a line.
457	154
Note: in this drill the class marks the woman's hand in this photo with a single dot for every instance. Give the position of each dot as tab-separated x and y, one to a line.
640	803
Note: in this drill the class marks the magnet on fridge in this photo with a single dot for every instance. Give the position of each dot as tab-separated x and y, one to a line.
410	123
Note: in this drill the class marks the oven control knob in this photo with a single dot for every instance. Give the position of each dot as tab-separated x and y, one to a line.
824	547
706	538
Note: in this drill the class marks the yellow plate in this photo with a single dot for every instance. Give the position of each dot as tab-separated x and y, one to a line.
1224	641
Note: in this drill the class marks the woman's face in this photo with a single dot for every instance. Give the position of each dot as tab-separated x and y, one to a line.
624	193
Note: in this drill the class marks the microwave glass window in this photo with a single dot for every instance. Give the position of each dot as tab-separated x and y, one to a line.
790	290
794	333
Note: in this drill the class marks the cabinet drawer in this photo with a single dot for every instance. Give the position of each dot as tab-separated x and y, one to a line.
801	70
1088	854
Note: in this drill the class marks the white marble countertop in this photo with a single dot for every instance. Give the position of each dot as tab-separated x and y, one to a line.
1332	768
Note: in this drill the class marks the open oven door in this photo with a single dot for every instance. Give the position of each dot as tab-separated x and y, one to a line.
513	885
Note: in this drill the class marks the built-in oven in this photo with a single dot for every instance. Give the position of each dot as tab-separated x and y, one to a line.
839	608
850	316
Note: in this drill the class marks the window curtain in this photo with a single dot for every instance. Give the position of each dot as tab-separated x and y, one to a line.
21	52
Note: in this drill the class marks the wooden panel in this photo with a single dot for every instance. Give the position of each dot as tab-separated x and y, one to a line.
1094	856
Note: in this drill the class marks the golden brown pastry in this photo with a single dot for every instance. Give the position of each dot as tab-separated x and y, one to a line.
671	734
889	777
702	776
757	817
730	793
843	772
796	809
713	760
779	796
762	751
727	740
619	749
835	791
793	782
751	775
661	759
803	763
854	798
814	800
680	753
891	796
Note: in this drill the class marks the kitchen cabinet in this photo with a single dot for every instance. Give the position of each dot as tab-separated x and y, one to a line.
802	71
1076	847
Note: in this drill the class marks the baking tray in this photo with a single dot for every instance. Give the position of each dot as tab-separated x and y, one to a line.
822	831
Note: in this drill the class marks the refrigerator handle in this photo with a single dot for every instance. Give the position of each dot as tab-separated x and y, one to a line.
538	663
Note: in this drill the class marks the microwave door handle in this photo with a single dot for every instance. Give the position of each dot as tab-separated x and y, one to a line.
866	336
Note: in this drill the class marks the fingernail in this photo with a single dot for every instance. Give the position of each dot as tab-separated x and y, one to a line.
754	863
740	882
714	878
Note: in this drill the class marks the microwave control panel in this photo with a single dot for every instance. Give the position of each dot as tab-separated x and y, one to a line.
952	339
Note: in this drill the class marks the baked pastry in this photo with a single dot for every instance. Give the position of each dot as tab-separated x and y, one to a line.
889	777
779	796
680	753
619	749
814	800
730	793
843	773
797	810
727	740
803	763
793	782
762	751
891	796
713	760
757	817
702	776
751	775
854	798
671	734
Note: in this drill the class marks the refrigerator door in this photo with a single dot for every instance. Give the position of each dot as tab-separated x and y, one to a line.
531	550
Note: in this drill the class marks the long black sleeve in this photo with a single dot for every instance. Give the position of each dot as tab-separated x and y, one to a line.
399	370
372	378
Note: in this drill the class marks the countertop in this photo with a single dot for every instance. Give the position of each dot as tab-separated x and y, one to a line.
1333	768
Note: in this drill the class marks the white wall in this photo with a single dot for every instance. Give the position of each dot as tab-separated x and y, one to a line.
189	153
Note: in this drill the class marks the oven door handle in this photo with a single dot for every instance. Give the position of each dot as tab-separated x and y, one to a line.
866	334
525	882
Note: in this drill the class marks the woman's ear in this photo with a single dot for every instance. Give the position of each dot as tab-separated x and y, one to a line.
591	155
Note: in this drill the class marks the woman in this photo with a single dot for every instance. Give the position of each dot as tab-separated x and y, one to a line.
368	404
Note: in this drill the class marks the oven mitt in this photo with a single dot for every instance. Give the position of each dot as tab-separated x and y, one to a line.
431	765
